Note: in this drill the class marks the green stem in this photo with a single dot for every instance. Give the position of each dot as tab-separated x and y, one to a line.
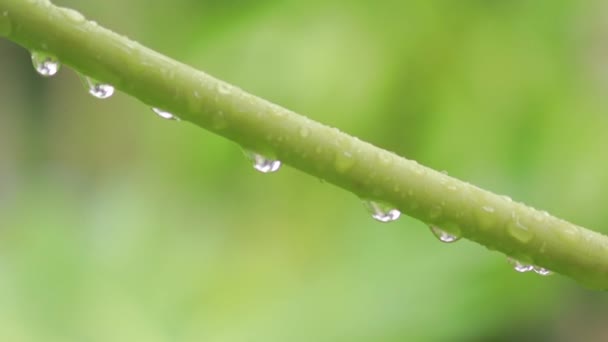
368	171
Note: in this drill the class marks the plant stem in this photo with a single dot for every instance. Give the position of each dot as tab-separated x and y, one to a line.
321	151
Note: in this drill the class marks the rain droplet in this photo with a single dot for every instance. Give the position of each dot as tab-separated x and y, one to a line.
262	163
344	161
98	89
382	212
385	158
165	115
442	235
73	15
519	231
45	65
519	266
542	271
224	88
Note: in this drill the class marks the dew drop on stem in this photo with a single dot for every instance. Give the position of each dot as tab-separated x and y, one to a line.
98	89
542	271
263	164
164	114
442	235
382	212
45	65
520	266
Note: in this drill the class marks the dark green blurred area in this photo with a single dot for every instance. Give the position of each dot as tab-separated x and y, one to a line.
116	225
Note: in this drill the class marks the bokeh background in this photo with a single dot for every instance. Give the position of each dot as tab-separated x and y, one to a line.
116	225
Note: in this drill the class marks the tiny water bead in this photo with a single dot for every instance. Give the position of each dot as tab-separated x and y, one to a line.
382	212
98	89
262	163
488	209
344	161
73	15
164	114
523	267
442	235
542	271
519	231
45	65
224	89
519	266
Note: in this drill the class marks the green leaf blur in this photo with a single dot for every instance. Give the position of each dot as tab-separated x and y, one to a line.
119	226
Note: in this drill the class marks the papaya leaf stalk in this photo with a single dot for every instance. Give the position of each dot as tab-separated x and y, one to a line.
369	172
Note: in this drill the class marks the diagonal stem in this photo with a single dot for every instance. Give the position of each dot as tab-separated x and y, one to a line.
369	172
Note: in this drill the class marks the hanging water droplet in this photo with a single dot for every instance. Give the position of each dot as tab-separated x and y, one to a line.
542	271
98	89
164	114
263	164
442	235
45	65
382	212
519	266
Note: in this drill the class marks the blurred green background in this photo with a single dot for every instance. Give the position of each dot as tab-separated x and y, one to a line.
116	225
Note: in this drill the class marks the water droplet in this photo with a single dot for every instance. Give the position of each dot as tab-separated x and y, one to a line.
488	209
73	15
519	266
382	212
443	236
542	271
224	88
277	111
263	164
519	231
568	233
344	161
164	114
45	65
98	89
419	170
385	158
